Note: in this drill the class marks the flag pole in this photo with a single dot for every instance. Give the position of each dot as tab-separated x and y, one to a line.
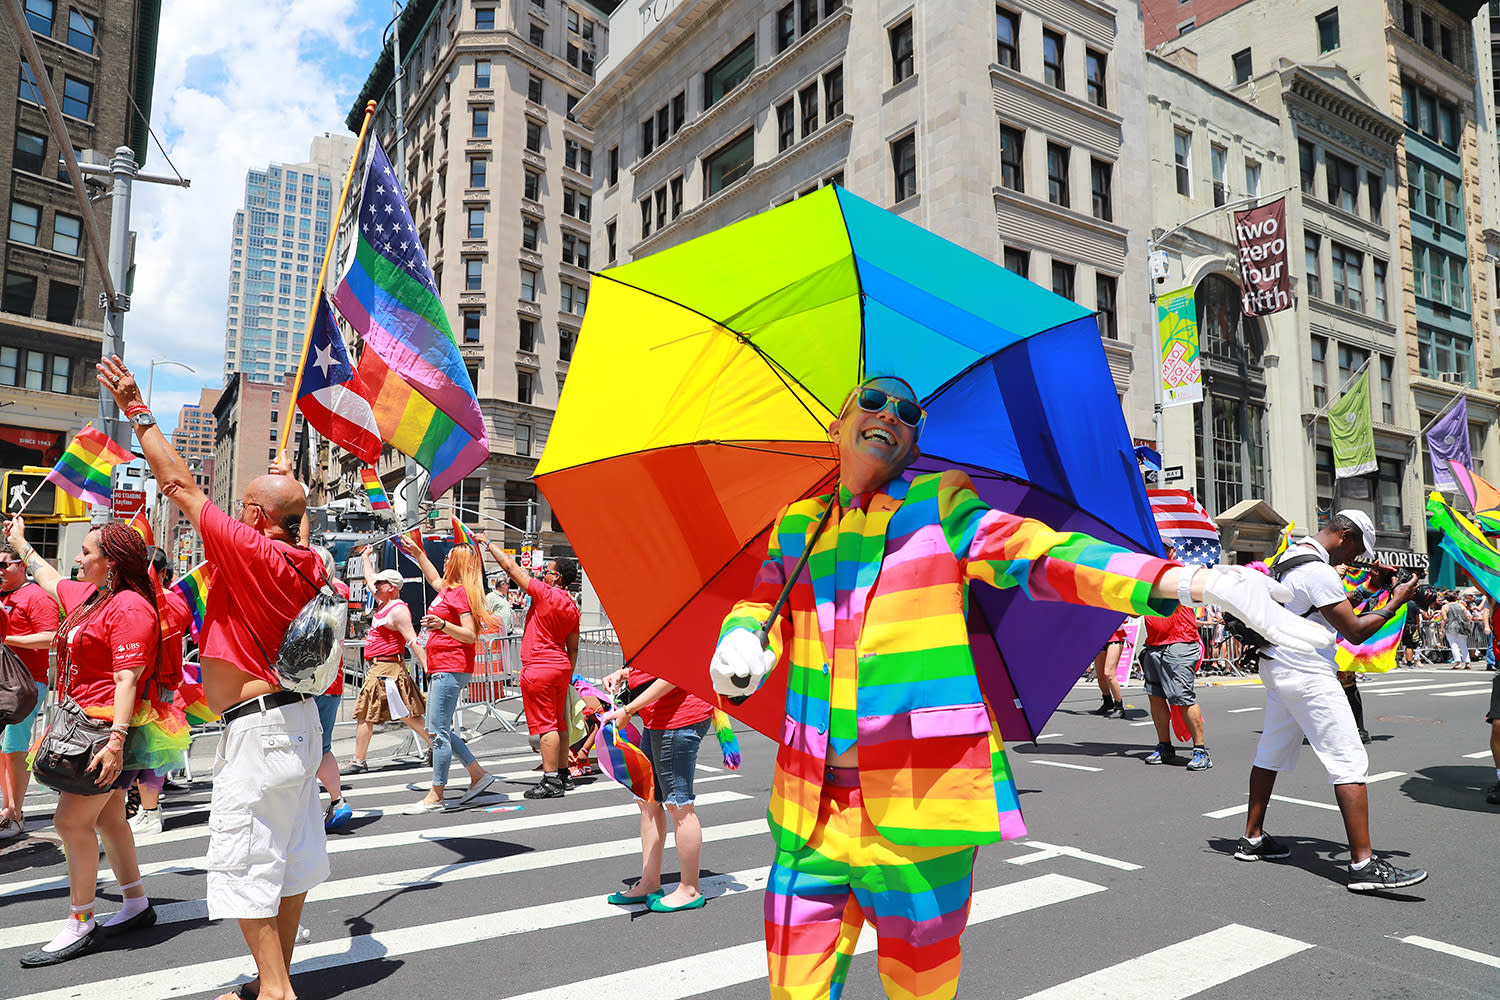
312	316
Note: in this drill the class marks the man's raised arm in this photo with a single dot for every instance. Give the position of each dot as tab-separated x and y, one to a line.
172	475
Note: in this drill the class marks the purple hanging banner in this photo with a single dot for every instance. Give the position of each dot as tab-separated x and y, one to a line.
1448	441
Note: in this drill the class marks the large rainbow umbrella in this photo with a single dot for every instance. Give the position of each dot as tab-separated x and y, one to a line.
697	407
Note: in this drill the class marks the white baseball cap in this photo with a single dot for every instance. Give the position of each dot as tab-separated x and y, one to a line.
390	576
1366	529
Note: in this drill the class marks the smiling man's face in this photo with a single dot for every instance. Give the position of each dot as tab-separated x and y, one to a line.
874	448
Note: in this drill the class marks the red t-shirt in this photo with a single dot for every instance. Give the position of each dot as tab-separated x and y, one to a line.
28	610
176	618
121	637
445	654
255	594
552	618
337	687
674	710
1179	626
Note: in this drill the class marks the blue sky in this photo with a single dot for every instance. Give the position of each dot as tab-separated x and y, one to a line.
238	85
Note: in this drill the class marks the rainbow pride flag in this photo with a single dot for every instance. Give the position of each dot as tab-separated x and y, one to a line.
1482	496
1466	544
374	489
624	761
83	471
141	525
462	535
1377	654
418	386
415	537
193	586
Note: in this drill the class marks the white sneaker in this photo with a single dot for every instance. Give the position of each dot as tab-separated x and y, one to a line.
146	823
11	829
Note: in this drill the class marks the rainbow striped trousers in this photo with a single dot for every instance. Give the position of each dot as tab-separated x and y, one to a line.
847	874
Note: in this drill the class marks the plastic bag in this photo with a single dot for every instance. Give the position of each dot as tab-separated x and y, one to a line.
312	652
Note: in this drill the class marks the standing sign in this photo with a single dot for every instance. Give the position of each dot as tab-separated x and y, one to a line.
1181	372
1265	278
127	502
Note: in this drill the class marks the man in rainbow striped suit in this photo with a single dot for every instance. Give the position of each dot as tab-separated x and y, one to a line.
891	770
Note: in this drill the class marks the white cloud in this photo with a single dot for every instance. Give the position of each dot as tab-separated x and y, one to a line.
238	85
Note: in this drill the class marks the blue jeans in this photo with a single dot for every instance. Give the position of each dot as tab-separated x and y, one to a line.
443	690
328	713
674	758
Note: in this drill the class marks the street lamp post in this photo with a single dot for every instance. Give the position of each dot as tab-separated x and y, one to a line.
151	376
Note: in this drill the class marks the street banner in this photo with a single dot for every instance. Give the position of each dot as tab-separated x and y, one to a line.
1127	651
1351	430
1448	441
1265	278
1181	374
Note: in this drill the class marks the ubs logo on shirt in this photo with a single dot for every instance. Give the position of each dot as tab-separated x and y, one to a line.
126	647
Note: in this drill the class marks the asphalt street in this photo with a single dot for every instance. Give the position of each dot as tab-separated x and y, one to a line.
1125	888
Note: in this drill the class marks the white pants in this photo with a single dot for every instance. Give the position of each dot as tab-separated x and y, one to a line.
1312	704
1458	645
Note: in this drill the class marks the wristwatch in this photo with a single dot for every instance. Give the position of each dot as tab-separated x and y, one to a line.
141	420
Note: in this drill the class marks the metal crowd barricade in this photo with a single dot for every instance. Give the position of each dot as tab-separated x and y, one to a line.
496	682
599	654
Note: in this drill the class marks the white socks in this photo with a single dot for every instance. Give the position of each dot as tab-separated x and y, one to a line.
130	906
79	924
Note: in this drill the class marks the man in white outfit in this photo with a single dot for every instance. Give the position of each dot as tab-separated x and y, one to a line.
1304	698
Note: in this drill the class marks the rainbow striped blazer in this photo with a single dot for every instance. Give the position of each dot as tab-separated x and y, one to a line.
932	767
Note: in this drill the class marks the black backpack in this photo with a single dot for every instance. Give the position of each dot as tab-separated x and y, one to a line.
17	689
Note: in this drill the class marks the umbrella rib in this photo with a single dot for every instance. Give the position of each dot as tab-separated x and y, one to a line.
859	285
826	479
962	372
743	446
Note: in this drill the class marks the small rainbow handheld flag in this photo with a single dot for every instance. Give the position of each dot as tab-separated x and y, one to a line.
625	762
374	490
1377	654
462	535
414	536
83	471
728	745
193	586
141	524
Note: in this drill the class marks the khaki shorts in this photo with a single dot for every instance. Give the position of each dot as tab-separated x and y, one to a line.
373	706
265	821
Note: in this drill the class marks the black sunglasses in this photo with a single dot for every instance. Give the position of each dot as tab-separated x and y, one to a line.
873	400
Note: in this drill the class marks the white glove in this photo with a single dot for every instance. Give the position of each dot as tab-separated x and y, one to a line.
1256	600
740	664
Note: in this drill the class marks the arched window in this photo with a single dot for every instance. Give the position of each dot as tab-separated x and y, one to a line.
1224	331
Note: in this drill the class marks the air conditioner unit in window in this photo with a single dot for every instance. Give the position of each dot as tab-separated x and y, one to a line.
1455	377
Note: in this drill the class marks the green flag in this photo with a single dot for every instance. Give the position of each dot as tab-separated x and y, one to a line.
1352	433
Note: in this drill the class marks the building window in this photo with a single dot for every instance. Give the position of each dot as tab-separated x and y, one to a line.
729	72
1105	290
567	341
1375	184
674	186
1445	39
1007	31
1343	183
904	167
1319	371
481	122
524	388
526	335
1408	18
482	75
77	96
1012	170
533	136
62	307
1062	278
528	284
537	35
809	19
613	168
484	18
579	157
1182	159
1388	487
473	275
1094	63
728	163
534	89
1387	390
611	232
1018	262
1057	175
523	439
646	216
575	204
478	168
903	52
39	16
20	294
1308	163
1218	166
29	92
1348	277
786	126
532	188
31	152
476	224
679	111
471	326
1382	311
833	93
575	250
1252	178
25	222
1443	352
1328	30
1242	66
1101	182
82	30
1052	59
67	234
1314	275
530	232
807	99
786	27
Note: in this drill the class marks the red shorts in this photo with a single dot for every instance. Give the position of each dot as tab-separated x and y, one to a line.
544	696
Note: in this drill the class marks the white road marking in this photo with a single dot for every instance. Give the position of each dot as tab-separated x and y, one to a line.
1428	687
1058	763
709	972
1043	851
1460	694
1252	708
1048	736
1452	949
1476	756
1181	970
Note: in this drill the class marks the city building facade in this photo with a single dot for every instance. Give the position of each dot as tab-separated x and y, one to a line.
707	112
248	418
276	250
100	57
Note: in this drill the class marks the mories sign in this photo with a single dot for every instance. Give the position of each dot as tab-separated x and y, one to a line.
1410	560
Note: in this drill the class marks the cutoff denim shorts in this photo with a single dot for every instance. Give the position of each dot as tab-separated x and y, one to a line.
674	759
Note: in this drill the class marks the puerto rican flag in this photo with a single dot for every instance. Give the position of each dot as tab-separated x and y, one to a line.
1181	519
331	396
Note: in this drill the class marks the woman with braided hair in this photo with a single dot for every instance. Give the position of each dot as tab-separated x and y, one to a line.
107	649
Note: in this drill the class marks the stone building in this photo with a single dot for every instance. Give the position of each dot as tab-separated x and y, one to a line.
194	439
248	419
1012	131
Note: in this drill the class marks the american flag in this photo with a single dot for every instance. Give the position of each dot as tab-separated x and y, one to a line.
1181	519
